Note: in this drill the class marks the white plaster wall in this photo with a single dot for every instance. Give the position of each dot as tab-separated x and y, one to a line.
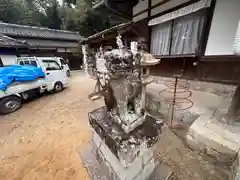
60	49
8	59
60	2
142	5
167	6
224	27
140	17
156	1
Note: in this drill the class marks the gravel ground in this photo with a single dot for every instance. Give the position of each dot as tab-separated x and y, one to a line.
40	141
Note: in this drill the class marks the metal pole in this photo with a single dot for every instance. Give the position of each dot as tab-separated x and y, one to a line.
174	100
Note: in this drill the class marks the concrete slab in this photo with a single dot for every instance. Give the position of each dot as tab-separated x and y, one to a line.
213	139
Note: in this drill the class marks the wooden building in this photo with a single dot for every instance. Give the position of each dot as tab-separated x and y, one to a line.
196	39
192	37
18	40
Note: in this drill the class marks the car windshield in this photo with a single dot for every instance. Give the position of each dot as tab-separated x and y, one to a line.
63	61
51	65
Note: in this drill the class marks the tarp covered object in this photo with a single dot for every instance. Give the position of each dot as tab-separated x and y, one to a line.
19	74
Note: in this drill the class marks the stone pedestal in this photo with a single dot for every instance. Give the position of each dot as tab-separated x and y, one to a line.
141	168
124	132
124	156
100	169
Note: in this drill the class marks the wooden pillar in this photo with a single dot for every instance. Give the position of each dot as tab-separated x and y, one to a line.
234	109
149	27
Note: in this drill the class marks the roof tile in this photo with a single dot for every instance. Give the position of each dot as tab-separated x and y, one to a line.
37	32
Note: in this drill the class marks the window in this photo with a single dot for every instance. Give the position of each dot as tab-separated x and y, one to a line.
34	63
181	36
51	65
187	32
161	36
63	62
236	47
23	63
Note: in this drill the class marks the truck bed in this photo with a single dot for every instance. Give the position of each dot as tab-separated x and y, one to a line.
19	87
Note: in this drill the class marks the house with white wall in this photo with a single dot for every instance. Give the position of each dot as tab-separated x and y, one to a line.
188	27
192	37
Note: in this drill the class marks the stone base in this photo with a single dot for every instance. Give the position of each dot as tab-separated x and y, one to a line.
125	146
208	136
103	165
140	169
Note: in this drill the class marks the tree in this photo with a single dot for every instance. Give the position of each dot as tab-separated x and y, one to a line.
11	11
83	19
48	13
52	13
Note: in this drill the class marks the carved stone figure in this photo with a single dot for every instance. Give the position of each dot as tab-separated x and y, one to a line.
123	126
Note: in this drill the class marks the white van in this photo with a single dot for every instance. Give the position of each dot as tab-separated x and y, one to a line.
56	76
62	62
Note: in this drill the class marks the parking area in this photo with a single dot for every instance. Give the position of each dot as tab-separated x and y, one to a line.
40	141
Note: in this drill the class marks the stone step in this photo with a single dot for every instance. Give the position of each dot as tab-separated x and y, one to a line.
213	139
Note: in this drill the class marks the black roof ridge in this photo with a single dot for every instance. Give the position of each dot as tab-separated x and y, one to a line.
38	28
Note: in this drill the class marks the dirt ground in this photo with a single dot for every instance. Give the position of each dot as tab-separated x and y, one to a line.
41	140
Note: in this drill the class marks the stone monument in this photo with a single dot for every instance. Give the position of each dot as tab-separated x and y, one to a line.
123	132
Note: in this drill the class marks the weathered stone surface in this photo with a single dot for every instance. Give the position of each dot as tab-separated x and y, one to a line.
141	168
126	147
124	132
213	139
100	171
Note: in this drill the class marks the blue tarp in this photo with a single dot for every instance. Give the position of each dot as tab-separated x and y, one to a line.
19	74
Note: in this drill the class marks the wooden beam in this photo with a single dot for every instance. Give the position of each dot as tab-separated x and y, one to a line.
114	28
149	28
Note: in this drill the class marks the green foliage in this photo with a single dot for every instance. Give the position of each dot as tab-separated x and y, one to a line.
48	13
11	11
83	19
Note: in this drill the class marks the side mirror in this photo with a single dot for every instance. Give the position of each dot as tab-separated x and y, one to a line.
61	67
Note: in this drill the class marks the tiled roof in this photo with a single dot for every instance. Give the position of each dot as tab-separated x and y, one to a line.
37	32
44	43
6	41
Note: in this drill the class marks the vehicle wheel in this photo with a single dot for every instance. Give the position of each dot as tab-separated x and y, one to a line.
58	87
10	104
68	73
